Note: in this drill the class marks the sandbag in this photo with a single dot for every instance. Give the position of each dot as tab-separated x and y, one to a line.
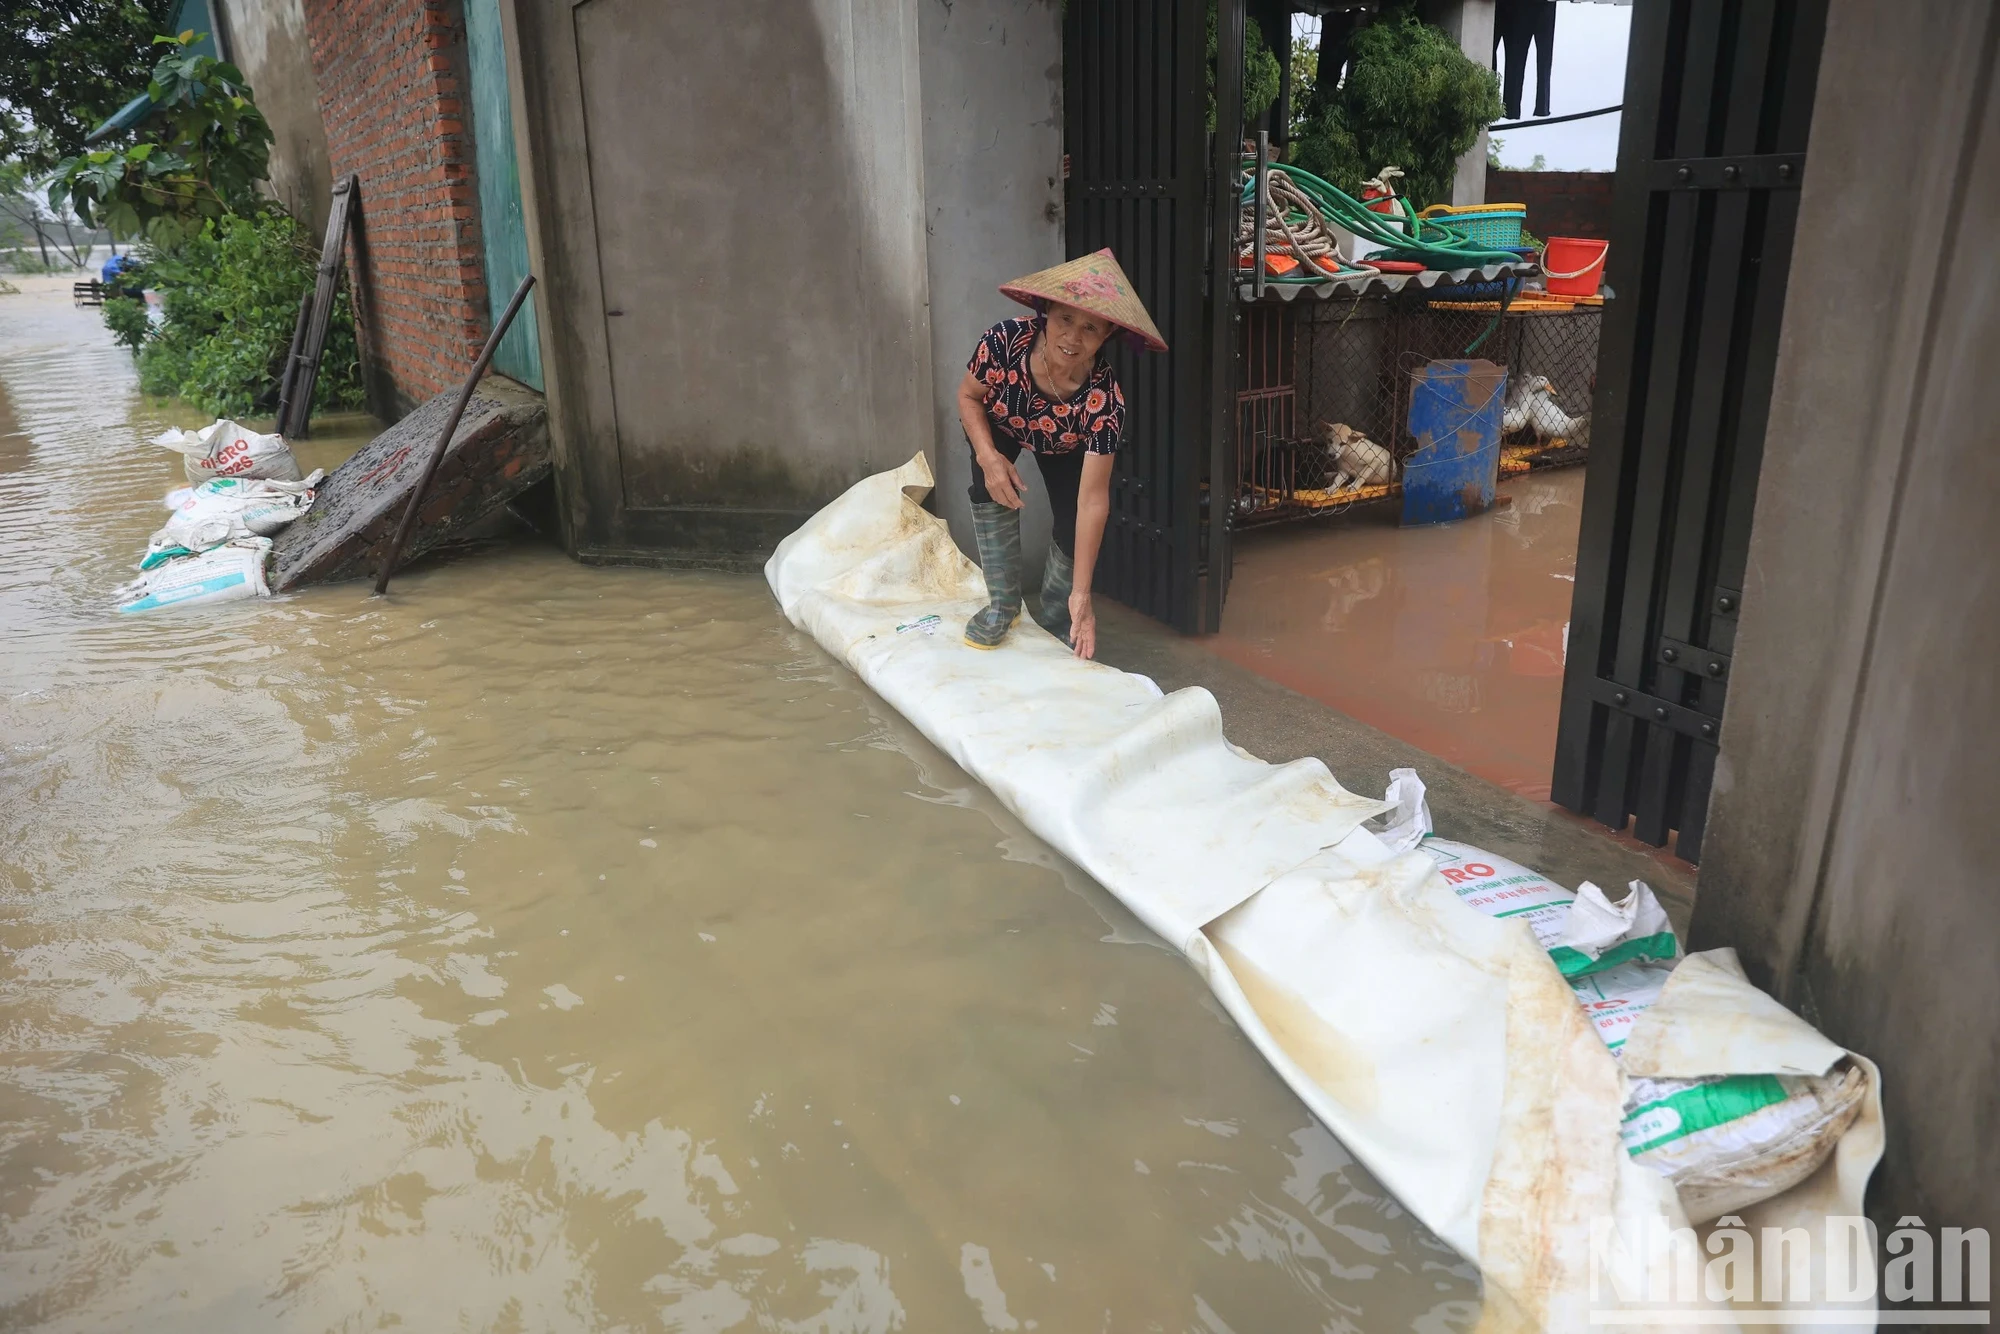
225	449
226	508
1725	1142
1730	1141
228	573
1584	932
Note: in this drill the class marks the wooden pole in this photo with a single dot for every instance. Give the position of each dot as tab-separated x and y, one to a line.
290	375
409	522
332	253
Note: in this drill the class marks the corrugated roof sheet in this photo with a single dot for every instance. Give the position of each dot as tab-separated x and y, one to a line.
1360	284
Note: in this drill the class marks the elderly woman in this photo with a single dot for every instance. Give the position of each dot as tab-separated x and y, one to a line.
1040	384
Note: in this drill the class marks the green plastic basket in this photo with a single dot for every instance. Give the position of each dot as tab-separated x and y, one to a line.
1488	226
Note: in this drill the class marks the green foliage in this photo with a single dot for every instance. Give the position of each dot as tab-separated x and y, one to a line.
231	298
1496	144
1261	75
17	207
128	321
66	65
1305	78
28	262
207	147
1411	99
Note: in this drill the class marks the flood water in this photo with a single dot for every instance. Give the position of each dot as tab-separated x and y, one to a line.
1451	637
555	948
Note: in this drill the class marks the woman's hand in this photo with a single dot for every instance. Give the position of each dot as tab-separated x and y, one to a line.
1093	507
1003	479
1082	624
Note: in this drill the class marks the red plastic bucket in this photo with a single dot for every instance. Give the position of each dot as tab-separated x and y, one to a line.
1572	266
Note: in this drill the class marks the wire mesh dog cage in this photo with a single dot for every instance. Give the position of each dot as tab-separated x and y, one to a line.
1323	392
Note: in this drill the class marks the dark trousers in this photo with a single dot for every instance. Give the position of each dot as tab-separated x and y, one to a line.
1062	475
1519	23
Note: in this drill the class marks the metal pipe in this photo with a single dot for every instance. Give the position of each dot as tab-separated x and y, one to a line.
1263	198
409	522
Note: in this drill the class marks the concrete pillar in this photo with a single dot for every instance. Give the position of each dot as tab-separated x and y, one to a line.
993	200
1470	22
1848	856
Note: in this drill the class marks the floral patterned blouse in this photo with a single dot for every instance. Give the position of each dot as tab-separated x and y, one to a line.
1093	418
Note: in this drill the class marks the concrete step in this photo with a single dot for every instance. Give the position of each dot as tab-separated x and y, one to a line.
500	450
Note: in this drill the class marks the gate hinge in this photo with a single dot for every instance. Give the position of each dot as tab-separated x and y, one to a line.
1693	659
1659	712
1744	171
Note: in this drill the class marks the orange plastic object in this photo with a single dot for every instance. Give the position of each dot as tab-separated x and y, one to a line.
1277	266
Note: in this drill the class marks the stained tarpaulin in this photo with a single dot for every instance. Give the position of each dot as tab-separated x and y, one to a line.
1441	1046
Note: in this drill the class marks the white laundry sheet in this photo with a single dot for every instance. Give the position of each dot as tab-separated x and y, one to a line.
1441	1046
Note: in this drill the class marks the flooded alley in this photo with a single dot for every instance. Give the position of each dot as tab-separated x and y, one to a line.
1450	637
559	948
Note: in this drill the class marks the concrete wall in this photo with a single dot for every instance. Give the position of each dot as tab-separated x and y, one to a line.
728	218
1470	23
1849	850
993	199
267	41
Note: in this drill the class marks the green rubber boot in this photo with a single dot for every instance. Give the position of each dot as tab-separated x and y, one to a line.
1058	577
998	532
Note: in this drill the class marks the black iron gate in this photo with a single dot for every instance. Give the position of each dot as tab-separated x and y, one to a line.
1134	104
1718	99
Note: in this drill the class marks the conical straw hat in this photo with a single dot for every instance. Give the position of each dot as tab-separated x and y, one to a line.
1094	283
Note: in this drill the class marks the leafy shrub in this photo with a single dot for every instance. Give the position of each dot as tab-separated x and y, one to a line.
230	294
128	321
1261	75
1411	99
205	149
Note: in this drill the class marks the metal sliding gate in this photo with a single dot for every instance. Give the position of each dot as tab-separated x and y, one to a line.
1135	89
1718	99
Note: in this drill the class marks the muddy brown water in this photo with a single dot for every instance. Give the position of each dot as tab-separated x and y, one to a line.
1451	637
554	948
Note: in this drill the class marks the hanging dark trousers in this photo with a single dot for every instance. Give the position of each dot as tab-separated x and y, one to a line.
1519	23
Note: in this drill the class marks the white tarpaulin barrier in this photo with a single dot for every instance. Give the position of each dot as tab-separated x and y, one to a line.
1440	1045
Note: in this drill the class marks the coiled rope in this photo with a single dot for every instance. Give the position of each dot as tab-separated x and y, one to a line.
1299	211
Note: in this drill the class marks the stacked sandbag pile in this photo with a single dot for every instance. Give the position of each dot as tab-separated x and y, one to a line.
1725	1142
215	545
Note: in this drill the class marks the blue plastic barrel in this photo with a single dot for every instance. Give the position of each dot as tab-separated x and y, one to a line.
1455	411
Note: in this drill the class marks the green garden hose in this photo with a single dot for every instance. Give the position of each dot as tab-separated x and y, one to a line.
1310	203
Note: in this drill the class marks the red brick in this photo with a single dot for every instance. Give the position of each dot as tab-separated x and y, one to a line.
1560	203
389	83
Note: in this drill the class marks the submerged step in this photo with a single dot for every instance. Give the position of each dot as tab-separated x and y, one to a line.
500	449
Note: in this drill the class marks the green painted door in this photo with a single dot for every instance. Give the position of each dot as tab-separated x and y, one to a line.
193	16
500	221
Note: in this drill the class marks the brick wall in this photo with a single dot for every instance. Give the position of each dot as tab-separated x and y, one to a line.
392	92
1560	203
